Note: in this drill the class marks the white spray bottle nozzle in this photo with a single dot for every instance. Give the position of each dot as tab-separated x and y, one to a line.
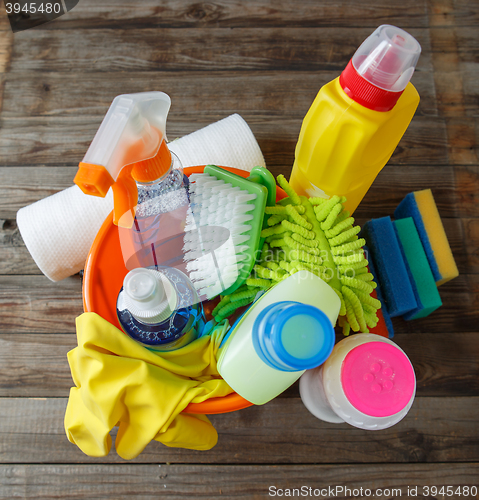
133	135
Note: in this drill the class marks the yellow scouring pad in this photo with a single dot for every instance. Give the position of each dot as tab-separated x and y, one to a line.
420	205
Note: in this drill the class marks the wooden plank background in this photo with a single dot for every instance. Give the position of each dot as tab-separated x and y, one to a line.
266	61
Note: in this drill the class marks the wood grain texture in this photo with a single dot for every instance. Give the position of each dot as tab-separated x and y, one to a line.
34	304
196	49
450	86
435	430
241	482
6	44
35	365
235	14
275	93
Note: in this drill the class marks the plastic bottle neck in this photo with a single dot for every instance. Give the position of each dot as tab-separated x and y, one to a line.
365	93
154	169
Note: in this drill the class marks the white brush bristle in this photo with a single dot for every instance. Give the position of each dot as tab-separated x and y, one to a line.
216	205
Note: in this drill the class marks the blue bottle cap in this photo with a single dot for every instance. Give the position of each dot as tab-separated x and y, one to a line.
292	336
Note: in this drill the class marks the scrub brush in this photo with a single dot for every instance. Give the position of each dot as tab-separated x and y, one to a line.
223	227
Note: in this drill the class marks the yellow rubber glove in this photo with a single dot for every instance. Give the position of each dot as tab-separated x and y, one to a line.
120	382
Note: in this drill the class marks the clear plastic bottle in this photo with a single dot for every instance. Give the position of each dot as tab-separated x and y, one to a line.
159	308
160	216
357	120
165	194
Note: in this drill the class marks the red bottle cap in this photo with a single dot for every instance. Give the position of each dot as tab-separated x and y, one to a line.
381	68
365	93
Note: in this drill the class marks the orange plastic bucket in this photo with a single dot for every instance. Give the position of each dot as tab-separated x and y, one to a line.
103	277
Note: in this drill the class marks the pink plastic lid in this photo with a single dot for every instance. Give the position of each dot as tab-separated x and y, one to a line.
378	379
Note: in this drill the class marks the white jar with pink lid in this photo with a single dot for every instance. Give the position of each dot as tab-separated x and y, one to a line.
368	382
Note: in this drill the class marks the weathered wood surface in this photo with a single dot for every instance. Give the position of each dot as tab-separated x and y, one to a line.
59	129
263	13
281	432
35	365
35	304
266	61
292	49
233	14
240	482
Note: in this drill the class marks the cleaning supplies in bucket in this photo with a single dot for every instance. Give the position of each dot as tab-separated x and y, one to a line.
159	308
286	331
151	199
357	120
368	382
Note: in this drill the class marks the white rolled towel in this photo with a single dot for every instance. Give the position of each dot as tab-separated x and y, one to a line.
58	231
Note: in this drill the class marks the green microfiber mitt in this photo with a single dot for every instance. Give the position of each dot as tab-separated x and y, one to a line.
317	235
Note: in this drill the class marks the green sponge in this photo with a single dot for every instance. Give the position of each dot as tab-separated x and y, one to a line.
423	281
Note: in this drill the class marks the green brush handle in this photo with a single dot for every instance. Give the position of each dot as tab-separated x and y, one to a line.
263	176
262	183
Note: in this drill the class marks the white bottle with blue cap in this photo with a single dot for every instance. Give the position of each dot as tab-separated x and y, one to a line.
286	331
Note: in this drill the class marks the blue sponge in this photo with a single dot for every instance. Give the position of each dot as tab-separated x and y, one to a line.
388	260
380	296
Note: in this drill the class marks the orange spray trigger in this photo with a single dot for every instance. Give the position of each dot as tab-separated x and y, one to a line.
154	168
93	179
125	198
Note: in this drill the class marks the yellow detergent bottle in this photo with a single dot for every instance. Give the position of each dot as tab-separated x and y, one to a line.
358	119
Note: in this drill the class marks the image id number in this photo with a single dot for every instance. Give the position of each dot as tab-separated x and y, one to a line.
33	8
449	491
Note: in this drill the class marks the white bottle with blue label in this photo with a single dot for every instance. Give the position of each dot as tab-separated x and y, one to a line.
286	331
